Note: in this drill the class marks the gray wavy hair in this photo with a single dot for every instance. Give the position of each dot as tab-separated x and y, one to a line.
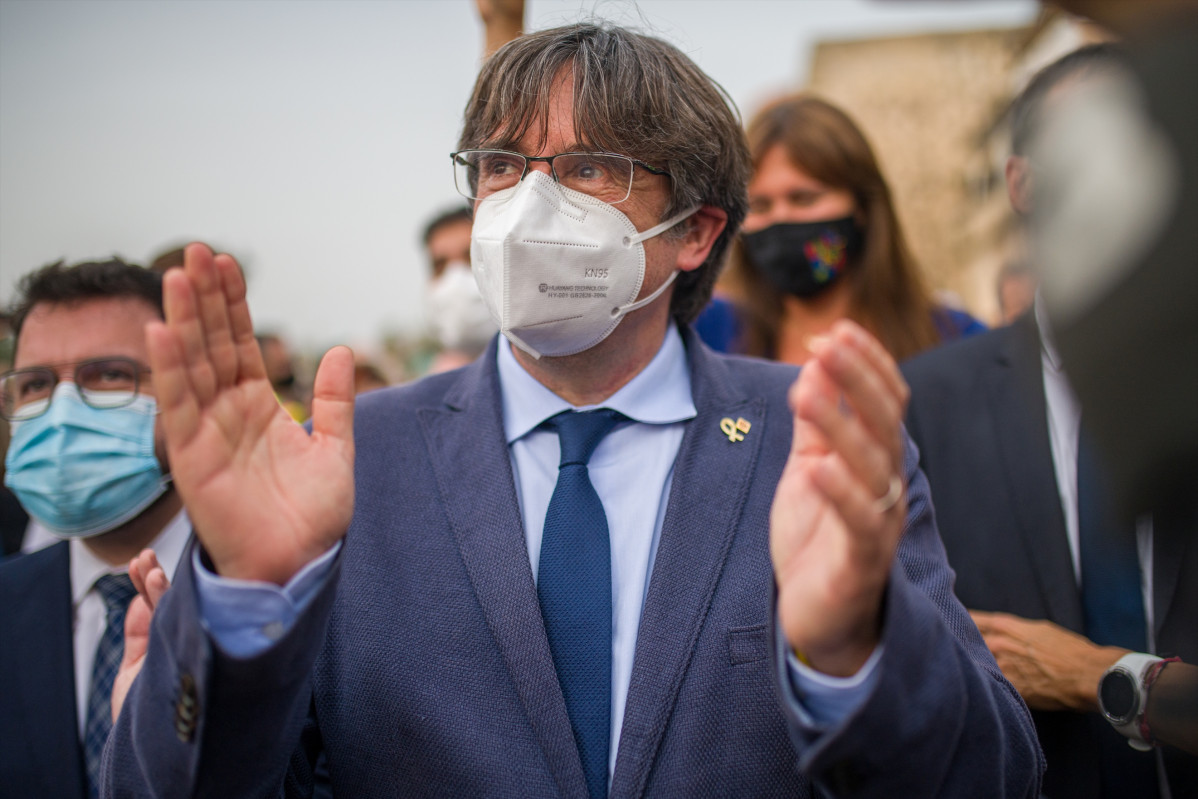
634	95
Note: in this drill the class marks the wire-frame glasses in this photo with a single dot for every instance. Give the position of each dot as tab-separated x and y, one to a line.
478	174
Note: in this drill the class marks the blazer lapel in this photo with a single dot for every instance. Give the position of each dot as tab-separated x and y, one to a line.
45	682
1015	391
468	451
704	506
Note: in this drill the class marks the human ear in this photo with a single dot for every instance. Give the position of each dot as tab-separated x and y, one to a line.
1019	184
705	227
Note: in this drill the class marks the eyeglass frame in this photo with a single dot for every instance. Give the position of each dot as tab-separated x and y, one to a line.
549	159
139	370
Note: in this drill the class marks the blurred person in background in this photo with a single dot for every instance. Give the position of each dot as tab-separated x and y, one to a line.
280	369
1015	288
461	323
13	518
368	377
1062	588
822	242
87	461
1116	251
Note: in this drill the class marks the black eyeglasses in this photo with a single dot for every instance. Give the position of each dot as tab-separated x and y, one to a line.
477	174
102	382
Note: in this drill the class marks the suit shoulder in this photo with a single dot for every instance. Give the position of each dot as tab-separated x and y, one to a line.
956	362
18	569
428	391
751	371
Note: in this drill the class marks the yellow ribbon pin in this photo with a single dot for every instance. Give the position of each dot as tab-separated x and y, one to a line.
734	430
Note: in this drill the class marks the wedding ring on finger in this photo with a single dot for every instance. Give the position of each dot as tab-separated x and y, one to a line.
893	494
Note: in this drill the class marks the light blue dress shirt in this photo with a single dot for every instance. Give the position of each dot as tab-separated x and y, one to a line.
632	470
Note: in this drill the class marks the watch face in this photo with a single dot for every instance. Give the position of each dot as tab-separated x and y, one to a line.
1117	693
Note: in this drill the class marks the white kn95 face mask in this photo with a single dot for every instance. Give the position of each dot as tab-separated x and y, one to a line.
557	268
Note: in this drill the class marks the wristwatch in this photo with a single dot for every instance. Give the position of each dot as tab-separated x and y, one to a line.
1123	695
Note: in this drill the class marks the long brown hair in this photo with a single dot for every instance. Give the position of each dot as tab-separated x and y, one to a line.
888	295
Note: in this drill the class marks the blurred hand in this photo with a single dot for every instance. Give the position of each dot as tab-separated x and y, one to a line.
1051	667
151	583
263	496
831	542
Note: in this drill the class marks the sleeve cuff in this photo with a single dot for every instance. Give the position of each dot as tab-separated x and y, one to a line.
246	617
823	700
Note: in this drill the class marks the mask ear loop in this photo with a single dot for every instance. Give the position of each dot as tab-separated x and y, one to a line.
637	239
661	228
641	303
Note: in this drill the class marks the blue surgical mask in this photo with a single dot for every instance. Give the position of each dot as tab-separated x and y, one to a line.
82	471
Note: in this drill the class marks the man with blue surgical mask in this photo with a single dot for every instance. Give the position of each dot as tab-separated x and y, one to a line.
86	461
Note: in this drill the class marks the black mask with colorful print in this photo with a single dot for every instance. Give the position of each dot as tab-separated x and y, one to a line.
804	258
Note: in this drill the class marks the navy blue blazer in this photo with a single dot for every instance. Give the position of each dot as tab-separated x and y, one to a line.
980	419
423	669
40	754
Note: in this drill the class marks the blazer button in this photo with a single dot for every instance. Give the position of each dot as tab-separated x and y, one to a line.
187	709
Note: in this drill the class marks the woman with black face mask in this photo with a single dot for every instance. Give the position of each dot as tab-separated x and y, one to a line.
821	242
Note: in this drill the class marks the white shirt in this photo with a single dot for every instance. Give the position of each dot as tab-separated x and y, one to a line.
90	616
37	536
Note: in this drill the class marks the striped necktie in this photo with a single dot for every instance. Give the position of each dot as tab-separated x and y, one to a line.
117	591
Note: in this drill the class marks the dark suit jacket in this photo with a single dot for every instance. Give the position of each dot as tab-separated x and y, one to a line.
40	754
13	521
423	668
979	417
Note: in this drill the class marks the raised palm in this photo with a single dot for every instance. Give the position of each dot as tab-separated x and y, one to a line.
263	495
831	541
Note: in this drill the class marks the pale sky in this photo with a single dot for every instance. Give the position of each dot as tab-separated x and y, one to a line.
310	138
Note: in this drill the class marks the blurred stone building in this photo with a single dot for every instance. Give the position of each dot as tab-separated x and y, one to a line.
934	108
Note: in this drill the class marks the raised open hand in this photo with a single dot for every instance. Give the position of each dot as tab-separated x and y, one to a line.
264	497
151	583
840	504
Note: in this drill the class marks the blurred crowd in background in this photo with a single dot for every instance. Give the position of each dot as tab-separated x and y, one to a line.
955	240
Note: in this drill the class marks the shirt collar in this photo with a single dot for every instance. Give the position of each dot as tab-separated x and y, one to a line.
659	394
86	568
1047	344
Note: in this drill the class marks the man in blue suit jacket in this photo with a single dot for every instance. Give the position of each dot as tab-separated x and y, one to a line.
764	639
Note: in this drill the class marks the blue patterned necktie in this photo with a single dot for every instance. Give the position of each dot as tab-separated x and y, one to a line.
574	587
117	591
